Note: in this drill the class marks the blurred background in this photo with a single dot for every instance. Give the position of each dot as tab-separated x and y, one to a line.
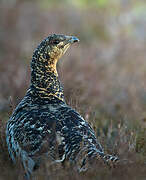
103	76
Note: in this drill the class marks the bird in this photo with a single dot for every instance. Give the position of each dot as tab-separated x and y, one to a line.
43	124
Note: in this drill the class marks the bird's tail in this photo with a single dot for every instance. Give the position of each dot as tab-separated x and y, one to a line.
110	160
92	156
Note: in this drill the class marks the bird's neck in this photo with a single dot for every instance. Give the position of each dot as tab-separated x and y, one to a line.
44	81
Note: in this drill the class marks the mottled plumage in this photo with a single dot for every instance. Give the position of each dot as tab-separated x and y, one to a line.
43	124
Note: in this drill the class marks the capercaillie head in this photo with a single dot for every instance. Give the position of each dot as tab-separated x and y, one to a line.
44	77
50	51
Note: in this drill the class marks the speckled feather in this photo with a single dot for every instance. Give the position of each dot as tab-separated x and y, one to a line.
43	124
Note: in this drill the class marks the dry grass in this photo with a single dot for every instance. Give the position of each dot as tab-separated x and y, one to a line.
103	77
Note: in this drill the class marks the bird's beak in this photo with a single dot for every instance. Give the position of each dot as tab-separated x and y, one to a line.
71	39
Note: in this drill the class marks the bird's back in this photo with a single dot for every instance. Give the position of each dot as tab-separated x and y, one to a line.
50	128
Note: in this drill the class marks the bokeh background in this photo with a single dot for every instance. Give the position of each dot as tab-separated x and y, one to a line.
103	75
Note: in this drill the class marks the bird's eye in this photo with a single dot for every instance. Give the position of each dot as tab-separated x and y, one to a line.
56	42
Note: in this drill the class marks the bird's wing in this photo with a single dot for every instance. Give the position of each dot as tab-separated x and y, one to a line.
76	133
57	130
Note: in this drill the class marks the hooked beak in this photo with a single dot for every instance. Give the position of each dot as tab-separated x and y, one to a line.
71	39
